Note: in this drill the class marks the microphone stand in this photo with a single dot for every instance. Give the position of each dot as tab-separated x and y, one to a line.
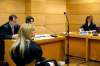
67	38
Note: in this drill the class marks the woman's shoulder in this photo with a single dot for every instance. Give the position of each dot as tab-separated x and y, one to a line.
83	25
34	44
94	24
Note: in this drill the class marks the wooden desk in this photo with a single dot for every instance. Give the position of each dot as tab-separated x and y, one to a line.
78	45
84	46
52	48
94	43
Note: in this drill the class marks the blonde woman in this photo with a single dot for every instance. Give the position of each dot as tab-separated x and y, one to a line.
24	50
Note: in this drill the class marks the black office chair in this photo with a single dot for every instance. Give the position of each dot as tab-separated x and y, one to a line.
98	29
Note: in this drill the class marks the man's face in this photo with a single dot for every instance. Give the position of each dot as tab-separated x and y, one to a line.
14	22
31	21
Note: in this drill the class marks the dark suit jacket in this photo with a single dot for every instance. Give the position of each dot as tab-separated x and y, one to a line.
6	31
88	28
33	51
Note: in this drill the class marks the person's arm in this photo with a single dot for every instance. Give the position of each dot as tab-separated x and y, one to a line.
17	29
36	50
15	55
81	28
4	33
94	27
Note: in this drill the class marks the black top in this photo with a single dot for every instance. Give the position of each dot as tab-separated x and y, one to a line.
6	30
90	27
33	51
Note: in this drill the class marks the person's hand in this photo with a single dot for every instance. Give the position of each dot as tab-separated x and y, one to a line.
14	36
81	29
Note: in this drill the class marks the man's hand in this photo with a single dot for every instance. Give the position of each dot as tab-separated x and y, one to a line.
15	36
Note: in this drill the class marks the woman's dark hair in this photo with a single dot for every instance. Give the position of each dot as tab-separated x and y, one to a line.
88	17
28	19
11	17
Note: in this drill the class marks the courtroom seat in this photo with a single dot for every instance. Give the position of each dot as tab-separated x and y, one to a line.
98	29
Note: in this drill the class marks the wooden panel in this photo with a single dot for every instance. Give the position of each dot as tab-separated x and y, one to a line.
83	1
40	29
39	18
38	6
9	7
77	19
53	50
97	19
77	47
48	12
27	7
7	54
95	48
12	6
79	9
56	6
74	27
84	8
58	28
55	19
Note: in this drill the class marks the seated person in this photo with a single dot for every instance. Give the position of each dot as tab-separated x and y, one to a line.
10	29
25	50
29	19
89	25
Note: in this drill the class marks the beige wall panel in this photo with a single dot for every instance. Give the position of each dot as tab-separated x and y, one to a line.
40	29
79	9
55	19
77	19
27	7
58	28
83	1
56	6
39	0
9	6
48	14
84	8
75	27
39	19
37	7
97	19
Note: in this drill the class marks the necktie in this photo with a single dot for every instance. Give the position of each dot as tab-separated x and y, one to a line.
13	30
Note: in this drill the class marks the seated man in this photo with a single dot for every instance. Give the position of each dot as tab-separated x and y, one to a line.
29	20
10	29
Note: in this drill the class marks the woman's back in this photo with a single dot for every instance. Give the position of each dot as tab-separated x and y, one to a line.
32	51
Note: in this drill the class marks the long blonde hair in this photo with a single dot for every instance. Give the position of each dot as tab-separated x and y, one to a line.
24	34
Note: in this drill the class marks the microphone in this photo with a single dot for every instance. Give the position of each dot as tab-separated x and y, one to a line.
65	13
